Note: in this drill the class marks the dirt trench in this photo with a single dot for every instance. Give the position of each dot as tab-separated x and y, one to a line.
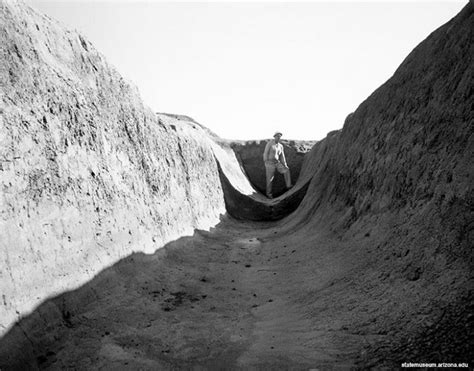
372	269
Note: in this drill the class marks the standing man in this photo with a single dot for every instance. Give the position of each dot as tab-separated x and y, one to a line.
274	158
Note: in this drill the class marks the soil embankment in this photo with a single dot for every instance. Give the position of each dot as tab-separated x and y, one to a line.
372	269
88	174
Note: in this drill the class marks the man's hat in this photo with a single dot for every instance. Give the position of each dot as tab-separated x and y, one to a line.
277	133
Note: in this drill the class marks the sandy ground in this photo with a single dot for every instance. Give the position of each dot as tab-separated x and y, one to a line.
241	296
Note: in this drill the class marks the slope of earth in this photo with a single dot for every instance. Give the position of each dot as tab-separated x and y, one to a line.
399	180
87	173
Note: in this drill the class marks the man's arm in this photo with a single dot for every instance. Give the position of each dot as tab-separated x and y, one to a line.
265	153
282	157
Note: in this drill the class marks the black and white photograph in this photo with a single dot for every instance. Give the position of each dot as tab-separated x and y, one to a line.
236	185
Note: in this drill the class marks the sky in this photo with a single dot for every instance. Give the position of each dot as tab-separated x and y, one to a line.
248	69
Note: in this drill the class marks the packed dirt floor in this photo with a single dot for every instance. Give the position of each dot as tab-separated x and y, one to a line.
241	296
284	295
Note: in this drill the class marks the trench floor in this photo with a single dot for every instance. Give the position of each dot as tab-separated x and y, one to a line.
244	295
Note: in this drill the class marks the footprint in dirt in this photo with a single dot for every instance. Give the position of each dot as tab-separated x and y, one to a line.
250	244
177	299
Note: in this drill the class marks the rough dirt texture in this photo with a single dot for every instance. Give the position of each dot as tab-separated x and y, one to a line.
87	173
250	155
374	268
397	182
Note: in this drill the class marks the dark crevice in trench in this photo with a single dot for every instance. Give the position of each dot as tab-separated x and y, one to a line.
246	207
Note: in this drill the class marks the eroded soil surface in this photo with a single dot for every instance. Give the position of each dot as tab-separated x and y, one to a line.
242	295
245	295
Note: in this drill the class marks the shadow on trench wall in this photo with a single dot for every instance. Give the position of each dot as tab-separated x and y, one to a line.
254	207
135	302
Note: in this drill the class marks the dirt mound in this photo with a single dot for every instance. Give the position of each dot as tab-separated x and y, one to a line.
374	268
